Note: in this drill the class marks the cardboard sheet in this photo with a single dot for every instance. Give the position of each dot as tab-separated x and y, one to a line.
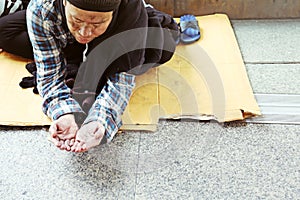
204	80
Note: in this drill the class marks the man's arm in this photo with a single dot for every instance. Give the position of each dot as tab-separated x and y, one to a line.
57	100
47	37
111	103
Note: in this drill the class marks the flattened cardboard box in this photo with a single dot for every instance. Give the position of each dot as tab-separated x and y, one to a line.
204	80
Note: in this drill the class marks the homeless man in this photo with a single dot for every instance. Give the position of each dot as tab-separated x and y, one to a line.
115	41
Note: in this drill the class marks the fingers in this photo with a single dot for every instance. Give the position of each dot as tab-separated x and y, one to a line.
78	146
67	145
55	141
58	143
62	144
53	130
79	143
72	141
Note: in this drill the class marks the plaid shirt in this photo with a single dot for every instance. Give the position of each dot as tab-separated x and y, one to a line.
49	36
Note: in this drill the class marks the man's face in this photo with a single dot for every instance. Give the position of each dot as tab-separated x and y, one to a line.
86	25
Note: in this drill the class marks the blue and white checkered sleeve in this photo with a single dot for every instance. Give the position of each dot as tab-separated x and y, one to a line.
111	103
57	98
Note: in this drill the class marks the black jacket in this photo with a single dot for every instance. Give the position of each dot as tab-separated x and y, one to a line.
137	39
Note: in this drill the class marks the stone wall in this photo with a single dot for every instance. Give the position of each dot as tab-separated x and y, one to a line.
235	9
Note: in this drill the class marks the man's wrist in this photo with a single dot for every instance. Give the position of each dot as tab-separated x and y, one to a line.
67	106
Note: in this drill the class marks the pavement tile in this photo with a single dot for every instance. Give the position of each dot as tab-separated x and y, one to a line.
270	41
33	168
246	162
274	79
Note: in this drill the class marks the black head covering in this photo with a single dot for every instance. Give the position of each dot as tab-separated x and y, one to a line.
96	5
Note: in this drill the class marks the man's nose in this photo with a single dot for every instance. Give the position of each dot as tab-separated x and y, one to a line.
85	31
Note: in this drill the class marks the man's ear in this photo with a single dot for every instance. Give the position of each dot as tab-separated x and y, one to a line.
64	2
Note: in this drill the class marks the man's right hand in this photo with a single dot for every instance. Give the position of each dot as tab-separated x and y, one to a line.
63	131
